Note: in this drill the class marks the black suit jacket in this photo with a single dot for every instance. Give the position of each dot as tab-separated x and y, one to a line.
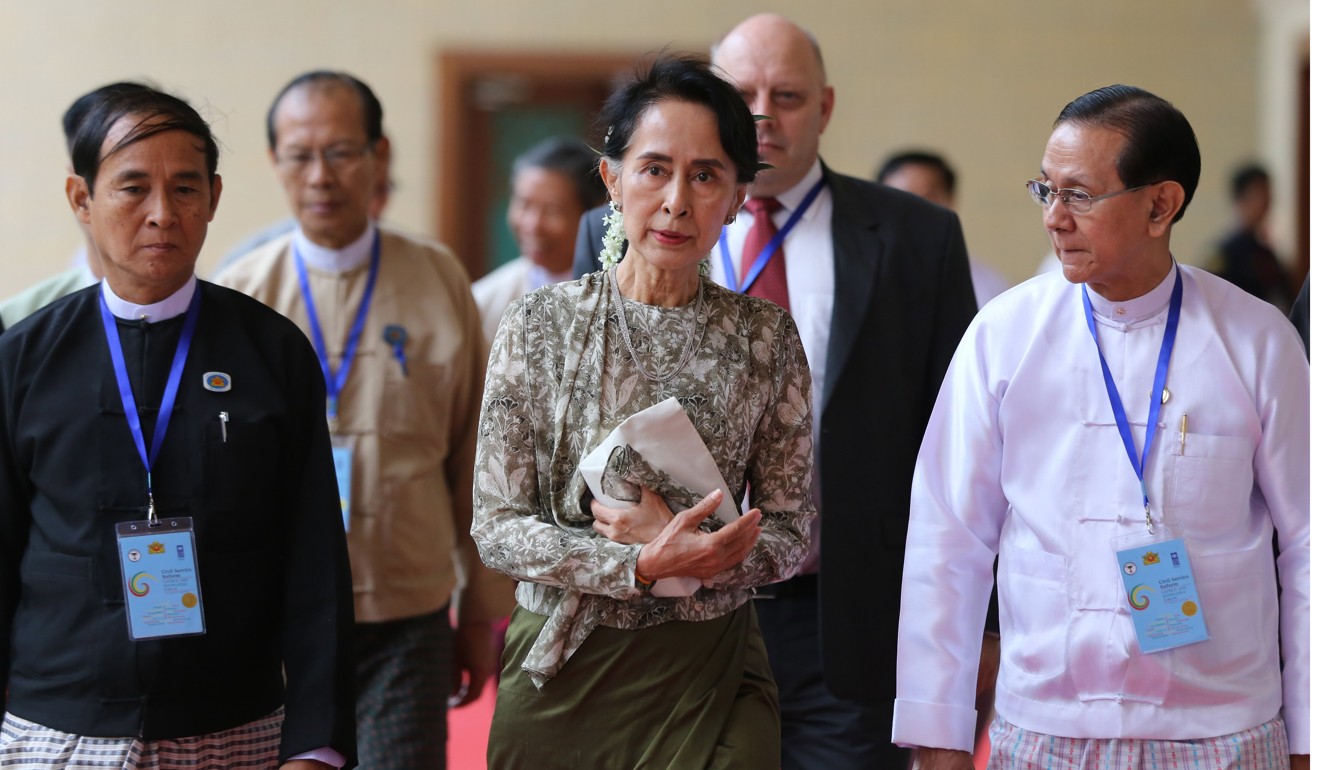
902	300
272	559
590	239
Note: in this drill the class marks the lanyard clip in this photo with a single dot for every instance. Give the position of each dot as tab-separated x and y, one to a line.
152	519
1150	521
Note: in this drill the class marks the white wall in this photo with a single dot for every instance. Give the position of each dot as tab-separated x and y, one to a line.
978	80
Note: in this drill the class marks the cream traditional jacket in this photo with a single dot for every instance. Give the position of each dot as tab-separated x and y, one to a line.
1022	458
413	435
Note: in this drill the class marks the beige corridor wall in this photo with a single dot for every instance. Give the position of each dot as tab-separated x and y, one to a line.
978	80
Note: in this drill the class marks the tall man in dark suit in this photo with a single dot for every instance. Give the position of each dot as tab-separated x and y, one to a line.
879	319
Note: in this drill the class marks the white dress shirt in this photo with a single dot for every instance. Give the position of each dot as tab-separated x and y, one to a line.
1022	458
809	267
498	289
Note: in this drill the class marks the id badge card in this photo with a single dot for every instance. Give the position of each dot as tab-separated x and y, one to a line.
1161	591
162	589
343	455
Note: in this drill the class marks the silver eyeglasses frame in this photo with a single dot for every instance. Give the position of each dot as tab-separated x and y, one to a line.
1076	201
337	159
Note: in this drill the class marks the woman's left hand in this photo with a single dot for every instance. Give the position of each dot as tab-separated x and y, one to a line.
635	525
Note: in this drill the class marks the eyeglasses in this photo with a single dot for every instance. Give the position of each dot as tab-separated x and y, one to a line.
337	159
1076	201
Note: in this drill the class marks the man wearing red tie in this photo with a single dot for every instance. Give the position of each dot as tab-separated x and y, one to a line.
878	283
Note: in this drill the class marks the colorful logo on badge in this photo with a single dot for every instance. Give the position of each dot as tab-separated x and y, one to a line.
156	548
217	382
1189	608
1138	601
138	585
189	600
1150	558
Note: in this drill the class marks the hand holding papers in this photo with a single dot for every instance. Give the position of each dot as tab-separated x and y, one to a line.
657	448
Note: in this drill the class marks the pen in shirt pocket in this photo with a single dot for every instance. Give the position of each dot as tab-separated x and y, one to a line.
224	427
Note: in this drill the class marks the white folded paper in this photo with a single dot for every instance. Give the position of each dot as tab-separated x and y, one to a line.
666	438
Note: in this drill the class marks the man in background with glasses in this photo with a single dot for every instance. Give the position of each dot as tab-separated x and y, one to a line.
1129	442
392	319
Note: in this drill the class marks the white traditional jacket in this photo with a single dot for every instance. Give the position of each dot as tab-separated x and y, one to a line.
1022	459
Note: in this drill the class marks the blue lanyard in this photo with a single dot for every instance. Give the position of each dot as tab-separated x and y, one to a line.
171	387
1156	393
334	381
770	248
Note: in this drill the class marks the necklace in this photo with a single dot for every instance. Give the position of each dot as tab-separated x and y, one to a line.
689	347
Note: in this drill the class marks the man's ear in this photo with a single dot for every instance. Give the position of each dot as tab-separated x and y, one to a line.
75	189
217	184
1164	204
826	107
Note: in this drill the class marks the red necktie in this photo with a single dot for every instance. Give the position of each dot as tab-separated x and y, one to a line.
772	283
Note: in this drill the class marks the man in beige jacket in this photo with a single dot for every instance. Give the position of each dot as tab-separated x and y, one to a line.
400	342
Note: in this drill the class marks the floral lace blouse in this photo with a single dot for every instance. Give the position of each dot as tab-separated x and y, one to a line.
560	379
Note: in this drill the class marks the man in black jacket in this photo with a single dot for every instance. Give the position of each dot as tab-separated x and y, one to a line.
132	412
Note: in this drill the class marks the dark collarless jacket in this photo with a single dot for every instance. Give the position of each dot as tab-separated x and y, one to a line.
273	565
902	300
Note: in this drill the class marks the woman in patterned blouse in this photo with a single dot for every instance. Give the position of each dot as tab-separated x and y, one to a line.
598	671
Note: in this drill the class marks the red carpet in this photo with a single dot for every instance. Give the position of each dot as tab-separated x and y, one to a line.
468	730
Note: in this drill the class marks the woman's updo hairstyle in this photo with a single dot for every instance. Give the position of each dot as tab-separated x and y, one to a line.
686	79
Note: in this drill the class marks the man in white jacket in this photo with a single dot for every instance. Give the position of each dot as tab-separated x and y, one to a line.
1154	417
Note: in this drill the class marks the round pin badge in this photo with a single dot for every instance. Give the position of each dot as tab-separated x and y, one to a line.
395	335
217	382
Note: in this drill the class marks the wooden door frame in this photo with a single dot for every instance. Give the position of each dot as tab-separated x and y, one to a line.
460	141
1302	193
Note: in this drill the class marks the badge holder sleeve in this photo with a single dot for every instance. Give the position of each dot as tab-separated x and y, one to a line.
160	578
1159	587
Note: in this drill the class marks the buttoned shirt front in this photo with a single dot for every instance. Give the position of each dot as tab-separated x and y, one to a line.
1022	457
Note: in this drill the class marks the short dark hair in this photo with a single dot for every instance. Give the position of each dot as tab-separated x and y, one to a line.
573	159
1161	145
919	158
1247	175
373	115
155	112
73	117
687	79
